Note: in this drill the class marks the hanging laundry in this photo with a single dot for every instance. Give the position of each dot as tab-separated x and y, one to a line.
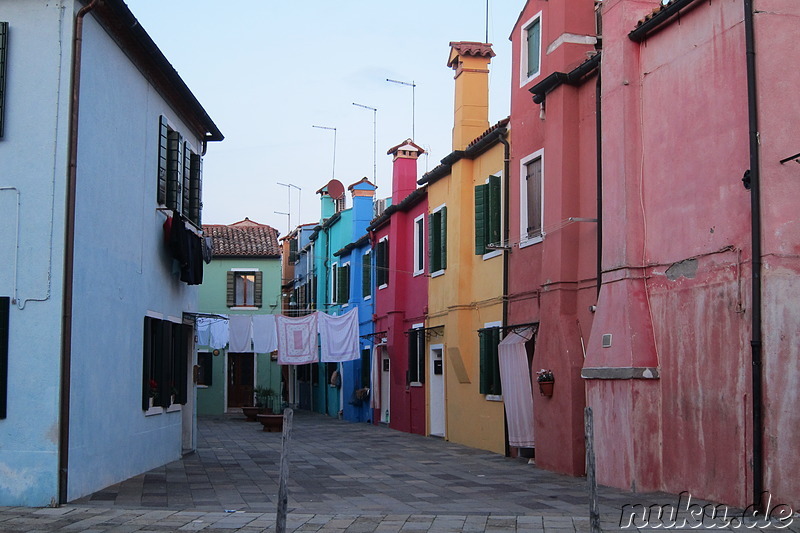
297	339
218	333
241	333
265	334
208	248
515	377
203	326
338	337
375	377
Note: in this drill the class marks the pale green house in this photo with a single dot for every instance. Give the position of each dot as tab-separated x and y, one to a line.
244	277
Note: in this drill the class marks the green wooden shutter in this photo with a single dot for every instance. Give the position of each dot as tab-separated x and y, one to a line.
534	39
3	57
443	237
433	239
259	285
493	210
147	355
231	289
496	387
164	363
196	190
365	367
483	343
480	219
174	170
421	356
411	373
186	179
366	275
346	283
163	142
5	308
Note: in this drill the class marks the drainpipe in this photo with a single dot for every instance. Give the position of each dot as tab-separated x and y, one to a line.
69	251
503	138
755	222
599	128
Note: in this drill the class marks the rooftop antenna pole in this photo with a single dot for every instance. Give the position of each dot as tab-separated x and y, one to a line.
333	174
289	192
487	22
413	101
290	220
374	141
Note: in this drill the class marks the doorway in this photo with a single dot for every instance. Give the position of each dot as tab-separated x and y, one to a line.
436	389
383	357
241	377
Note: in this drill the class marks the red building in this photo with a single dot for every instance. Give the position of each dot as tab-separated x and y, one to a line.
552	266
693	362
401	295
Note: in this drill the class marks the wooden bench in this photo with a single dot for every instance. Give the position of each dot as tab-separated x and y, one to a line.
271	422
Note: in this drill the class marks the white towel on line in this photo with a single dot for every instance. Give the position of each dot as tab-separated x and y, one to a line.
218	334
265	334
241	333
338	337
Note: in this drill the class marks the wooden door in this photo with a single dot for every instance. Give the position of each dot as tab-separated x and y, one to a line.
240	379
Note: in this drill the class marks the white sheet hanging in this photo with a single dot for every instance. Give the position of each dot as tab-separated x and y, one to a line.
374	378
338	336
203	325
241	333
218	334
515	377
265	334
297	339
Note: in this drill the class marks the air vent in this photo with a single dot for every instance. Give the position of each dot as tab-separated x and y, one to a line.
607	340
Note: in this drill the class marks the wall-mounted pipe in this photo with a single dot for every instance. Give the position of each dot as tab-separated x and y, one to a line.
755	224
16	245
69	253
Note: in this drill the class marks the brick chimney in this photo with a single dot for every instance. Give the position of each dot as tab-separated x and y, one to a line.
404	169
470	60
363	192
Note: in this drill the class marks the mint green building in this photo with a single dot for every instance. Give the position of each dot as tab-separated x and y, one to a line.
244	277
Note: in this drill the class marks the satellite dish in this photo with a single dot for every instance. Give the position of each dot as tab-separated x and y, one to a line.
335	189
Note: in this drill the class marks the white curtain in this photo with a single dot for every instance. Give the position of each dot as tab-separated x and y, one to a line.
515	377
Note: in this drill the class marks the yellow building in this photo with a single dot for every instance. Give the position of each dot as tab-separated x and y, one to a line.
465	289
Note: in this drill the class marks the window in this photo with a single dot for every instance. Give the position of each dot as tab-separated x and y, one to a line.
366	275
487	215
3	54
293	250
205	367
244	288
419	245
365	367
382	263
180	174
489	338
343	284
531	199
5	306
531	47
437	241
165	361
416	355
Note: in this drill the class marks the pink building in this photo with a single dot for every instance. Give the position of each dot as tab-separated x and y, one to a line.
552	266
693	363
401	295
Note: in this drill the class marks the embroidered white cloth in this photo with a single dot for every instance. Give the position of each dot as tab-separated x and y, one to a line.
338	337
515	377
203	325
241	333
265	334
297	339
218	334
375	379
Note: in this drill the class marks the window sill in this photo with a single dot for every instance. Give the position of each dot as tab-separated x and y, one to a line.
437	273
492	255
381	287
418	273
156	410
532	240
417	384
529	79
174	408
244	308
494	398
367	298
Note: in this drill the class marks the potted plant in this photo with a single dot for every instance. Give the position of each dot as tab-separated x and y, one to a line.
264	397
545	379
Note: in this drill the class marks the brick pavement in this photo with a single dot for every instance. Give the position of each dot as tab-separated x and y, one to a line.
343	477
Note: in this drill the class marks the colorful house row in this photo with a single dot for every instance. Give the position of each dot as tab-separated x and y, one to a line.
100	228
633	217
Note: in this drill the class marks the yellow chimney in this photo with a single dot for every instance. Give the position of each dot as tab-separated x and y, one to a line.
470	60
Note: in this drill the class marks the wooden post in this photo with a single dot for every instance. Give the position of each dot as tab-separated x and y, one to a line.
591	478
283	490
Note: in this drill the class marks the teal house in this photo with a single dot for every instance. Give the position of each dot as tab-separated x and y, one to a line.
243	278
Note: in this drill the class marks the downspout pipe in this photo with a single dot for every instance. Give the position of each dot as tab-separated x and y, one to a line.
755	222
503	138
69	254
599	142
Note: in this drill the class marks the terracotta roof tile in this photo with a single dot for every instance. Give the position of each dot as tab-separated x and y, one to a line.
245	238
500	124
472	48
655	12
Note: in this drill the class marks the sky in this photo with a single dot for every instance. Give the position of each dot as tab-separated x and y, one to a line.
268	71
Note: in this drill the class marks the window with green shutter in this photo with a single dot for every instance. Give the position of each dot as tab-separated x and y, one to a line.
533	198
180	174
3	56
382	263
437	239
365	367
174	171
489	339
366	275
533	36
487	215
244	288
416	355
5	307
343	284
165	362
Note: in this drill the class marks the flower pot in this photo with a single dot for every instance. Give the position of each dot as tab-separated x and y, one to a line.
546	388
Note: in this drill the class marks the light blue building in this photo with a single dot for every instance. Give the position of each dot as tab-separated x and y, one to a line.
95	303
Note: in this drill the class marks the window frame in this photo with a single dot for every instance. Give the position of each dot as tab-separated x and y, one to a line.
334	285
437	241
524	76
258	288
180	174
489	215
3	70
382	262
366	275
524	238
344	293
419	245
165	358
416	352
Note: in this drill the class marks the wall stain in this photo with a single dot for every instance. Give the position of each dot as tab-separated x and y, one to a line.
686	269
